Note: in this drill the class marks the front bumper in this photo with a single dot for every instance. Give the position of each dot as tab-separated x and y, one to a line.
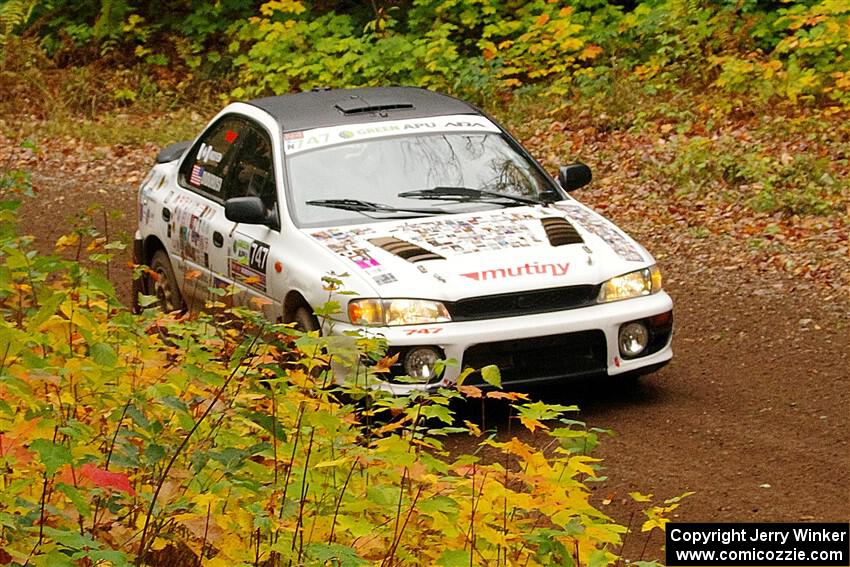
560	344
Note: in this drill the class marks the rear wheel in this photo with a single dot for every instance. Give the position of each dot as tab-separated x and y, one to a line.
165	283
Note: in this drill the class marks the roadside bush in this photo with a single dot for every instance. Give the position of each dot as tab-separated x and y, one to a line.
800	184
127	439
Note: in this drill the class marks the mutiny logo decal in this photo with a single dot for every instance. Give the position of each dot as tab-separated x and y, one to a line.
529	269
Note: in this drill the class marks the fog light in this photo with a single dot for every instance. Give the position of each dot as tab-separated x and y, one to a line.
633	339
419	363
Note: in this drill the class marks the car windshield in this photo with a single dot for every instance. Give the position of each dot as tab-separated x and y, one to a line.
409	176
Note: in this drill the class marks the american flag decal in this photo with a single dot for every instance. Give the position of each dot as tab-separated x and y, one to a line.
197	173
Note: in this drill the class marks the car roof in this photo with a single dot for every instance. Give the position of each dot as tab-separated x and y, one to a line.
321	108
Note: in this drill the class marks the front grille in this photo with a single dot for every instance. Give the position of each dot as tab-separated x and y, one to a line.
541	358
523	303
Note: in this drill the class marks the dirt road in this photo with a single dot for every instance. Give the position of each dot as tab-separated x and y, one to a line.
753	414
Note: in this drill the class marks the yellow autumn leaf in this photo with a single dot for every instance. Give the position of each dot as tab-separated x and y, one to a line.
67	240
532	424
285	6
652	523
473	428
638	497
332	463
590	52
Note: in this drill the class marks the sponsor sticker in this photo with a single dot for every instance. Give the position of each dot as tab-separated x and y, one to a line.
528	269
595	224
211	181
207	154
247	275
295	142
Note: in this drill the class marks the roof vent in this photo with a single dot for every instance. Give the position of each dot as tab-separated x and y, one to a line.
560	231
360	106
404	249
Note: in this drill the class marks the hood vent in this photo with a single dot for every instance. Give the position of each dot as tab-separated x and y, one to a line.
560	232
404	249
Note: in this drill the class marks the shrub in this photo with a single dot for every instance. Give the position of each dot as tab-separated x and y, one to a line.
801	184
463	46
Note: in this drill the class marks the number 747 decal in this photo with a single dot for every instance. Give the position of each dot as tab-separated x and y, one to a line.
433	331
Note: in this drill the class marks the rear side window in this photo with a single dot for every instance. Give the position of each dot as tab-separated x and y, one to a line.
208	166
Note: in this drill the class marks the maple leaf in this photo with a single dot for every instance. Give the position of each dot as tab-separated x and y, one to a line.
260	301
470	391
105	479
532	424
12	447
511	396
385	363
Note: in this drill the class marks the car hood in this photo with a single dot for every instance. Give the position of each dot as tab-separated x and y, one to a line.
483	253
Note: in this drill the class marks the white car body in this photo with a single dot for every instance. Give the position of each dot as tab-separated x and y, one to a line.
472	260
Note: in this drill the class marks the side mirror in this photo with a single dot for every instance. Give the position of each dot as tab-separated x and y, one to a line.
248	210
574	176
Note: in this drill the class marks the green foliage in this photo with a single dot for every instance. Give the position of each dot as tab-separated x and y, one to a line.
14	14
792	50
471	46
125	437
810	55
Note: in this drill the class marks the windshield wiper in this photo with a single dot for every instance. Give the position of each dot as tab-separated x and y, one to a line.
464	194
369	207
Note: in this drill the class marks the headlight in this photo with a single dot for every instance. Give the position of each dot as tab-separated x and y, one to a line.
396	312
634	284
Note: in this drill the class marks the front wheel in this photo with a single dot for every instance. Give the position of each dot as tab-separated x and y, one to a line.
304	320
165	283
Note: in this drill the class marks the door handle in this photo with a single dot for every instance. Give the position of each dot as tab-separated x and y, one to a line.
218	239
166	214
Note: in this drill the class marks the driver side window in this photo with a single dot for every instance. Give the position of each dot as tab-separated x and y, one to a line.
253	171
209	166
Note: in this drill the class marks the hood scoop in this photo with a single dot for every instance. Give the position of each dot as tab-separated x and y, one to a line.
404	249
560	232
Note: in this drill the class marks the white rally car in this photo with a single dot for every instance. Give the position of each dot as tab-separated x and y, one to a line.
456	242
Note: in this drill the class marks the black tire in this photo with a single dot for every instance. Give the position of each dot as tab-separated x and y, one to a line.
164	286
304	320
